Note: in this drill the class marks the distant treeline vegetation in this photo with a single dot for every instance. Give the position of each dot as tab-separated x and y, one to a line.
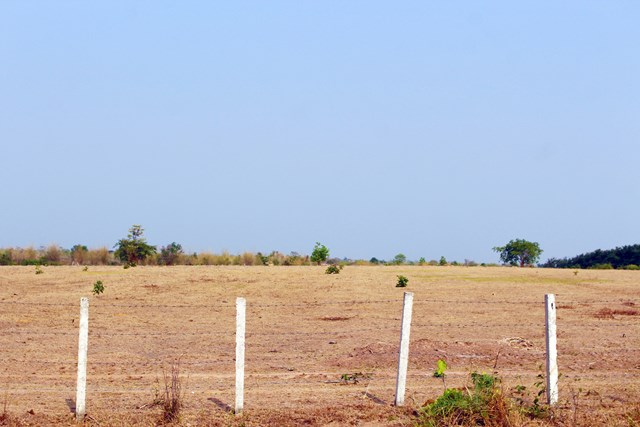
172	254
625	257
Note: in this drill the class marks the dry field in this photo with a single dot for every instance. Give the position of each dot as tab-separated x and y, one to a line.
305	329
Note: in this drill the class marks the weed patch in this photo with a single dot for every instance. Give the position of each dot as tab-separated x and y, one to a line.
483	404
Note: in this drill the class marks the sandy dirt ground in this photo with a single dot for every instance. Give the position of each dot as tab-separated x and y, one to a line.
305	330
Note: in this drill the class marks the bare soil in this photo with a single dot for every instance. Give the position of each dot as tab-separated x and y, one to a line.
305	329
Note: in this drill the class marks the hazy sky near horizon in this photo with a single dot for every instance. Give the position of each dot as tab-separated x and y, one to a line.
416	127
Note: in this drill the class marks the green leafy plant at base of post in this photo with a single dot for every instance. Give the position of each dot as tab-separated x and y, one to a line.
98	287
39	270
532	408
402	282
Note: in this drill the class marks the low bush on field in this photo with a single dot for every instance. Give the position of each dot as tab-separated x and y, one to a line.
402	282
333	269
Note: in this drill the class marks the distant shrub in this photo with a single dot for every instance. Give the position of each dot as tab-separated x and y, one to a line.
223	259
333	269
262	259
35	261
631	267
52	254
170	254
100	256
294	258
374	260
5	258
402	282
248	258
399	259
78	254
443	261
605	266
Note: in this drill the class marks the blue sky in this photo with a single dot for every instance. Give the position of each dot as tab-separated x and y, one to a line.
427	128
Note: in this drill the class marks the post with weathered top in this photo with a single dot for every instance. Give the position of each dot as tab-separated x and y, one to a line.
552	352
403	358
83	345
241	308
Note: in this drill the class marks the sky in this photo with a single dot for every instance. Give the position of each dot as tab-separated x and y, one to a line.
374	127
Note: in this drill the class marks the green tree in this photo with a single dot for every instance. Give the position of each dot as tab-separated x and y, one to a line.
320	253
519	252
399	259
170	254
134	248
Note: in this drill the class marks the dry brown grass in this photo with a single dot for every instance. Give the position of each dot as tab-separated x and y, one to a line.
304	330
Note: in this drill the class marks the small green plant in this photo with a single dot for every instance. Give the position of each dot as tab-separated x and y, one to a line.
85	268
354	378
39	270
333	269
98	287
402	282
443	261
441	367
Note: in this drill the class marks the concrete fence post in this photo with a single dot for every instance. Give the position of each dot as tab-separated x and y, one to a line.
241	308
552	352
83	345
403	357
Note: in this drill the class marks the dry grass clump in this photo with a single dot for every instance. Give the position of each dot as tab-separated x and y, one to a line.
173	395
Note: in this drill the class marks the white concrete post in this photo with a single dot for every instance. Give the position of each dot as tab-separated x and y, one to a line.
552	352
241	309
83	345
403	358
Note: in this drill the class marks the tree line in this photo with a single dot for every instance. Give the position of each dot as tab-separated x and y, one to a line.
623	257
